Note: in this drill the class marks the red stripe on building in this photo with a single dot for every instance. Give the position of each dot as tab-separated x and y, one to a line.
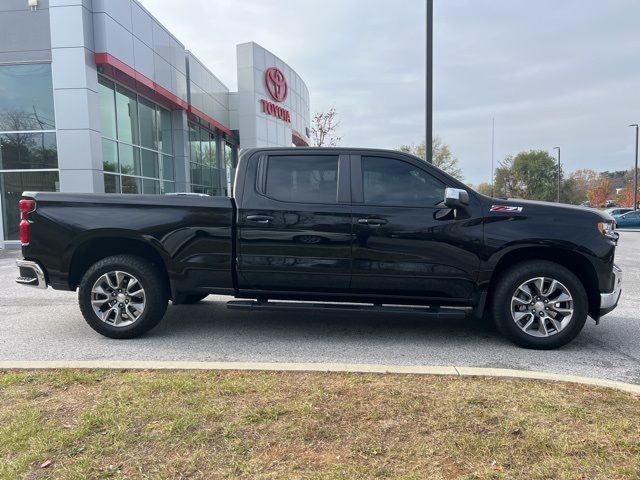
142	84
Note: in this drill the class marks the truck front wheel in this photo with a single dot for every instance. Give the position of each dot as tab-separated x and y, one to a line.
540	304
123	296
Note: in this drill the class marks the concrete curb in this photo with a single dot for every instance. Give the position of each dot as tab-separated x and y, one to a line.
318	367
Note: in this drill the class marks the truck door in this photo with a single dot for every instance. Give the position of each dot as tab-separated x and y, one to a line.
294	222
407	243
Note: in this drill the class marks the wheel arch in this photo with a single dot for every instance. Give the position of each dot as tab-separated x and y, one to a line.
569	259
91	250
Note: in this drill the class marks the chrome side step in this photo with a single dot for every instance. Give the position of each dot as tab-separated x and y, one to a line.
428	312
31	274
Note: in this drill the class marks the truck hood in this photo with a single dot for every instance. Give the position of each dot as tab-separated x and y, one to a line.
536	206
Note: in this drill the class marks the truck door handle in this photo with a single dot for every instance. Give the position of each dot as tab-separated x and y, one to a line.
372	222
259	218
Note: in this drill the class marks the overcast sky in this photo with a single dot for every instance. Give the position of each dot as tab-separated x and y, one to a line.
552	73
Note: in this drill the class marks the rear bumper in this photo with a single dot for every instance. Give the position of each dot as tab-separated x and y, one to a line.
609	300
31	274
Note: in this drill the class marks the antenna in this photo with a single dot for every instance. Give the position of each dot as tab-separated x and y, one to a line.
493	144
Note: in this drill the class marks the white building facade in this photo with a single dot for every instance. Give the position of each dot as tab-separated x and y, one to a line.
98	96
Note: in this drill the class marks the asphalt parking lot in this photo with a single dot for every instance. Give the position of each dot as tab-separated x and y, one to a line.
47	325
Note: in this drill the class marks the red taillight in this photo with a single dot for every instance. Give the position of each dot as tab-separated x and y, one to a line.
26	206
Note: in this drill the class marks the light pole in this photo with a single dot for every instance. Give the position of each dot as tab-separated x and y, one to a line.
635	172
558	149
429	84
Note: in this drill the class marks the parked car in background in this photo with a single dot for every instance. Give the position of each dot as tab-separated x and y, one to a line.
616	212
628	220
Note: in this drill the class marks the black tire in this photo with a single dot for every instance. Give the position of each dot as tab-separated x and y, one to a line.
506	287
151	279
189	299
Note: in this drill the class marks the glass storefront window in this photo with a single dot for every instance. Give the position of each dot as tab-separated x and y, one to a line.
151	187
168	187
230	163
167	168
12	184
129	159
205	161
136	142
165	141
212	160
196	173
130	184
205	147
109	155
49	150
229	156
106	97
111	183
127	116
28	151
27	98
215	179
148	125
135	185
26	93
149	164
194	144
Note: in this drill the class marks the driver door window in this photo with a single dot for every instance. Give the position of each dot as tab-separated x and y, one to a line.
391	182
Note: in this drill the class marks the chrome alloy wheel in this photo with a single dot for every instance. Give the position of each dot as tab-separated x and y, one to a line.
117	298
542	307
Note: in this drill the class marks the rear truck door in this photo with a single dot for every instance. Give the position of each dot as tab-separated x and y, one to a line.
294	222
408	244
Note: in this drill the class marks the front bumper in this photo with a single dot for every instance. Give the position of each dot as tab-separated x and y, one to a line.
609	300
31	274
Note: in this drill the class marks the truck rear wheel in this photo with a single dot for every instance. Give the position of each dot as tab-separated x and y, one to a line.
540	305
123	296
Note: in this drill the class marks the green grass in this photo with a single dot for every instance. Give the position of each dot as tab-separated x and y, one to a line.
208	425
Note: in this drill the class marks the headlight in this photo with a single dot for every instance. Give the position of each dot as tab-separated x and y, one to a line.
607	229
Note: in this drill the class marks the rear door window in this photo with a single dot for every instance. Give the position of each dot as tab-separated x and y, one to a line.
303	179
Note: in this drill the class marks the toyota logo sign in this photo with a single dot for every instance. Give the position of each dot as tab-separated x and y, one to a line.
276	84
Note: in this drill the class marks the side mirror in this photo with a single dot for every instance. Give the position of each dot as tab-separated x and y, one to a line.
456	197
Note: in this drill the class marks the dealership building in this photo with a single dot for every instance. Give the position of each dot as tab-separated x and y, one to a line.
98	96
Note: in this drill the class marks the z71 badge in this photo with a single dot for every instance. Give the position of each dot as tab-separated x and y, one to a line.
505	209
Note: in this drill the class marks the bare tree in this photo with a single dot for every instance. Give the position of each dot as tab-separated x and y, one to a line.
20	144
323	129
17	120
440	154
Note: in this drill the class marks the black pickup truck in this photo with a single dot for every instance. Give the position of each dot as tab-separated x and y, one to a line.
351	229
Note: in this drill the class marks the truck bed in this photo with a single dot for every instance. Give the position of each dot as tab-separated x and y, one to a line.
192	235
